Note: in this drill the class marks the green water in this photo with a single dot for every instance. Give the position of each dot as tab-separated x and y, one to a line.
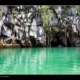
40	61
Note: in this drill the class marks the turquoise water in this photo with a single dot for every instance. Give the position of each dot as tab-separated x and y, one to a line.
40	61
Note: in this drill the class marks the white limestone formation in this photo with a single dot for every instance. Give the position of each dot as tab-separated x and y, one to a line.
1	23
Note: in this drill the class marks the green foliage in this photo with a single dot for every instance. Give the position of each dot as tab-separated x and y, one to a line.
78	7
0	14
46	14
62	16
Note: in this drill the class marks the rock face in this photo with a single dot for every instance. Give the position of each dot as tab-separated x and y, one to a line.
74	40
21	25
72	11
68	32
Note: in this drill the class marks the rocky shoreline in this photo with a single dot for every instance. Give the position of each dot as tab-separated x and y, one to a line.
9	46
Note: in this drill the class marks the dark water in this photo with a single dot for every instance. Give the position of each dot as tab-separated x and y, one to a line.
40	61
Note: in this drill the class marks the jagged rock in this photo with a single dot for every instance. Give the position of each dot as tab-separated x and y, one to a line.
39	44
21	23
75	40
23	15
72	11
18	16
59	11
1	23
33	29
26	30
33	33
78	27
54	21
4	9
3	30
20	33
3	17
40	31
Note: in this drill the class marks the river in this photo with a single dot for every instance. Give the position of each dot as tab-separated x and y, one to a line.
40	61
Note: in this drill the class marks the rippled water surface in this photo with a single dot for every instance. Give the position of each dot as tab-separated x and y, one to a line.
40	61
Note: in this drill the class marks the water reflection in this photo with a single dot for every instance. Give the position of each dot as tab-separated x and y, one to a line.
40	61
